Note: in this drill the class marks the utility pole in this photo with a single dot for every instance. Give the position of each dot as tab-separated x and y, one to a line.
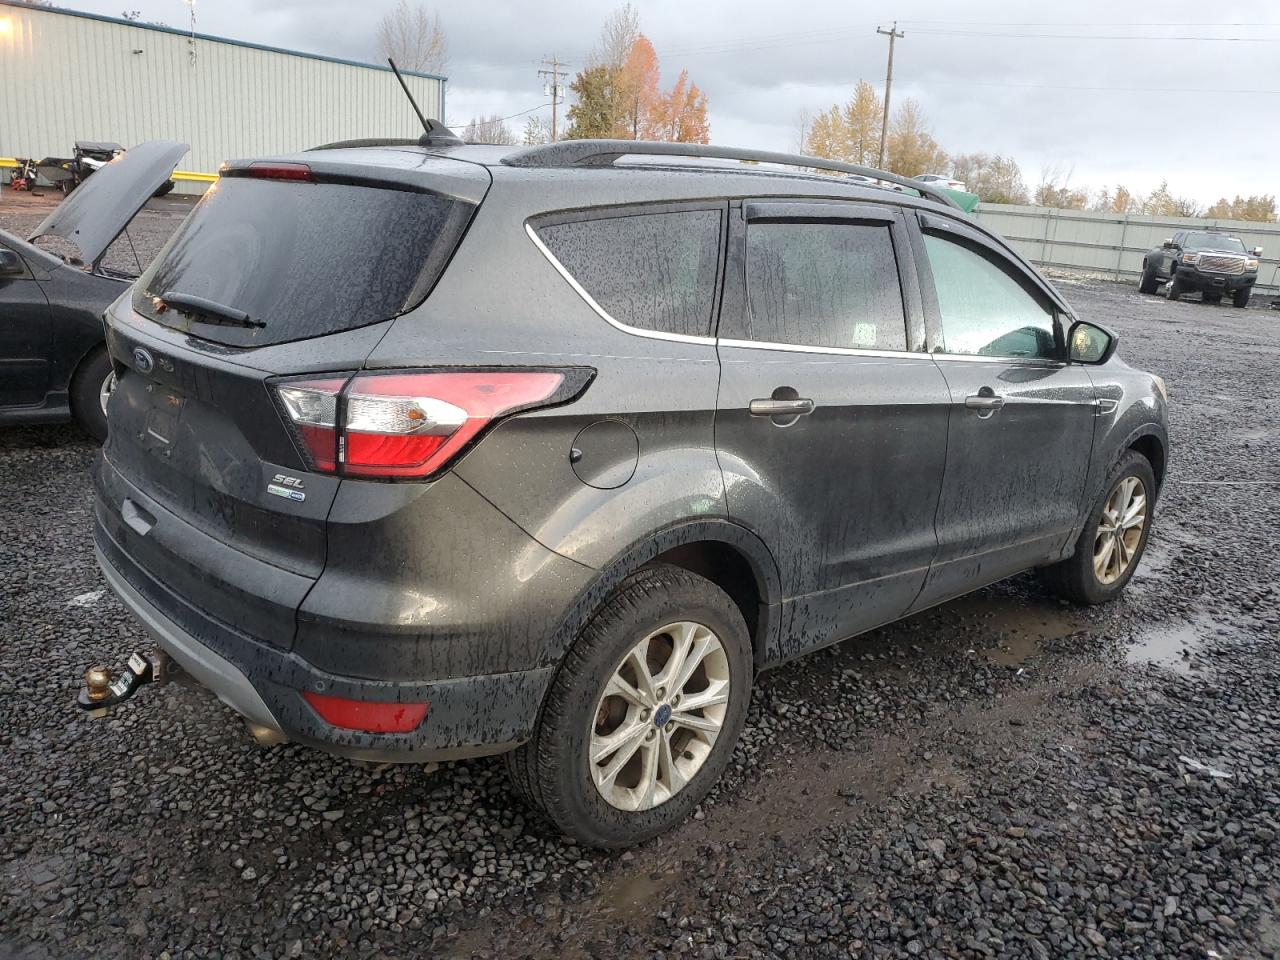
554	87
893	34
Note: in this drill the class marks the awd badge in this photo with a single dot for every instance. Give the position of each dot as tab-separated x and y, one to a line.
287	487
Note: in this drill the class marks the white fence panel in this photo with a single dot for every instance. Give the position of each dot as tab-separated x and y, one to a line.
1113	244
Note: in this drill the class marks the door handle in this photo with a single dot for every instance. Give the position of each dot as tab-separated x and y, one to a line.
801	407
980	401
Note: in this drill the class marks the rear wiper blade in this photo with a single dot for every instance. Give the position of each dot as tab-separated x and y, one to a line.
210	310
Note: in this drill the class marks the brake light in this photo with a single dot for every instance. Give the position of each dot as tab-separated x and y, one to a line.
273	170
409	425
367	715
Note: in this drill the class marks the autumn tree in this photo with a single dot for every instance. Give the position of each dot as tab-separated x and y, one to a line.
617	94
414	38
1162	203
638	89
910	146
850	131
491	129
1258	208
681	115
996	179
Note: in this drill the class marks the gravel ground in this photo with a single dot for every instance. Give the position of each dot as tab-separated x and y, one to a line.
1003	776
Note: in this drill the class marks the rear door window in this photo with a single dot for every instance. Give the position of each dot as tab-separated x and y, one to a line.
824	285
650	270
303	259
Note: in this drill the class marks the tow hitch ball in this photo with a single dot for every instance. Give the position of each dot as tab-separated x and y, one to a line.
102	690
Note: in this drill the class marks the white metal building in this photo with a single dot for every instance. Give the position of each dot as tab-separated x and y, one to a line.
68	76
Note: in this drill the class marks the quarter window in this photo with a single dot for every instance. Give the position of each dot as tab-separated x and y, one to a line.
986	312
655	271
824	285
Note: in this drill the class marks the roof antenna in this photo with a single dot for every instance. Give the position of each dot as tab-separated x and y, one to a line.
436	134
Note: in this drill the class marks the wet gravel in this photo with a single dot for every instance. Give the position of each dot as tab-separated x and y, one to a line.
1003	776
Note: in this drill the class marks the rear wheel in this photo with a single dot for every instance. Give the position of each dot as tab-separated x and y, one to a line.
91	387
644	713
1149	282
1114	538
1241	297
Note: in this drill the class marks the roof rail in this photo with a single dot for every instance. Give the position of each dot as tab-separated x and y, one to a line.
603	153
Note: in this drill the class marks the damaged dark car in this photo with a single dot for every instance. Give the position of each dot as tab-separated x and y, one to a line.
424	451
54	364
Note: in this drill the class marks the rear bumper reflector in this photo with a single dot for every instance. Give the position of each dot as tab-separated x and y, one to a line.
366	715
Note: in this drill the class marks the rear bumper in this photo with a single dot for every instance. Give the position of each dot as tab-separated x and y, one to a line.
467	717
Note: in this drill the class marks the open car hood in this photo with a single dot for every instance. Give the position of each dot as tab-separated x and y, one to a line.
100	208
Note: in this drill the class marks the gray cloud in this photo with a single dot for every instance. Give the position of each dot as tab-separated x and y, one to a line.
762	64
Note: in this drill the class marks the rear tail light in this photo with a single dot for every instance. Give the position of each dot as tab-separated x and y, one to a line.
367	715
412	425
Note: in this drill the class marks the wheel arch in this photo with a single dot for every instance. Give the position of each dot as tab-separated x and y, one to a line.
1148	443
726	553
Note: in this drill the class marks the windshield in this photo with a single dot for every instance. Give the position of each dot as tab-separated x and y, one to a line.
1213	241
300	260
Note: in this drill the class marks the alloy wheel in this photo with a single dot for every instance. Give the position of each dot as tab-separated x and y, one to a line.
659	716
1120	530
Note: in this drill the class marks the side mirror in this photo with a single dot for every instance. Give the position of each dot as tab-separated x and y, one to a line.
11	264
1168	243
1256	251
1090	343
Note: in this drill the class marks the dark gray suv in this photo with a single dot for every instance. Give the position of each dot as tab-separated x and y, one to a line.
430	451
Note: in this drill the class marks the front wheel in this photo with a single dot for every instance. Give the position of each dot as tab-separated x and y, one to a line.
91	388
1176	288
644	713
1149	282
1241	298
1113	540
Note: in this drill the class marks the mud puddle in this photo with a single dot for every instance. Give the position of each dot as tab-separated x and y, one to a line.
1173	646
1015	632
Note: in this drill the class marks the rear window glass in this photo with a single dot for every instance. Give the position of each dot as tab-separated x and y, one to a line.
303	259
655	271
824	285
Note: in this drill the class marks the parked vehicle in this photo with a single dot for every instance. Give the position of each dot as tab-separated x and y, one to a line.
940	180
52	348
429	452
1202	261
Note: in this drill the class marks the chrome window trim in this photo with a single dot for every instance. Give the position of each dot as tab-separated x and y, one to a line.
1020	361
603	313
832	351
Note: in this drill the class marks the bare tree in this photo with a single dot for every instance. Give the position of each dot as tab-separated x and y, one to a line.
620	33
414	38
489	130
536	132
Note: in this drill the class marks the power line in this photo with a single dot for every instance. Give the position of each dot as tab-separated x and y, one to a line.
1088	36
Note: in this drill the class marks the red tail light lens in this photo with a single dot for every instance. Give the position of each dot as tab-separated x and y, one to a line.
366	715
409	425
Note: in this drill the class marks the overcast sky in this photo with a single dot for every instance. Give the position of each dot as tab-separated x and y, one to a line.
1082	94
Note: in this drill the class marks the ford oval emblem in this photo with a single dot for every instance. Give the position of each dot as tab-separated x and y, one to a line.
142	360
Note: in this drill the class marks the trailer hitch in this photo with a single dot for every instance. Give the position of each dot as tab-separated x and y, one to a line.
102	690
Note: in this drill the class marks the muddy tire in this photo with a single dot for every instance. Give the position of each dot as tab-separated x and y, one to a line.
1111	546
644	712
1149	282
90	385
1241	298
1176	288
